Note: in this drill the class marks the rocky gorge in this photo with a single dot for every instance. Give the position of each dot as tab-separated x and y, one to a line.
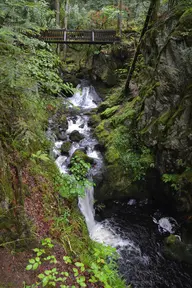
145	137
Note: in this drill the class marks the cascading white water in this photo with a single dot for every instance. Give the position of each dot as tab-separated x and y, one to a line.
87	99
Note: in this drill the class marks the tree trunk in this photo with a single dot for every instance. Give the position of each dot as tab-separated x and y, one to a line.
65	26
119	23
57	9
150	12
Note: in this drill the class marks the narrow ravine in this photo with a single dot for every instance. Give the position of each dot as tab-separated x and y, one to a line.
135	228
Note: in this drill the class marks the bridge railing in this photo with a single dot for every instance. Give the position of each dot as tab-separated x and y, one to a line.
82	36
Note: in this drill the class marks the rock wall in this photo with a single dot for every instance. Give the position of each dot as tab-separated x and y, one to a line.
156	120
164	121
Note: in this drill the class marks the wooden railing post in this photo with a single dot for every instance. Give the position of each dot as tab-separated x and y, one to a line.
93	36
65	35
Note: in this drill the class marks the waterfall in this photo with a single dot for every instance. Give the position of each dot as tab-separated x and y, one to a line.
129	235
87	209
86	99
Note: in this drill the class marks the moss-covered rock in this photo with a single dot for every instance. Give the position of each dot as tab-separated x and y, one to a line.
114	98
63	123
102	132
94	120
65	147
177	249
109	112
61	135
112	154
76	136
82	155
116	185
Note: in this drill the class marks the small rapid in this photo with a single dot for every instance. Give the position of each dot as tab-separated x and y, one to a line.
133	228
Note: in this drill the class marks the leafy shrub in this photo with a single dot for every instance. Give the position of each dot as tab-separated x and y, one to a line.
102	268
71	186
134	158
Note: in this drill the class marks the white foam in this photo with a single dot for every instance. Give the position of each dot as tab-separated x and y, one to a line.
132	202
58	144
93	153
105	235
84	99
79	124
61	164
167	224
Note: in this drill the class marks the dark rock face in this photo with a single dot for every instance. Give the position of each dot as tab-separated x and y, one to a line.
165	114
76	136
104	64
158	118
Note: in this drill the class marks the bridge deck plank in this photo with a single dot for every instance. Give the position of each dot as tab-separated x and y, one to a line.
79	36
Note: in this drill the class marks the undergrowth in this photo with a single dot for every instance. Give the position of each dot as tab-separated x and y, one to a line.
100	270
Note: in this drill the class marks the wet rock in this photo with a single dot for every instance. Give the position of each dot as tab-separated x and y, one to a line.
82	155
177	249
103	69
63	123
76	136
65	147
94	120
99	147
117	185
61	136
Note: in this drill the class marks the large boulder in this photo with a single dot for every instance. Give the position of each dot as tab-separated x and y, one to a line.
116	184
76	136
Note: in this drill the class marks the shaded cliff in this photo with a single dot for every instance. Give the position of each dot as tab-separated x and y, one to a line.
147	136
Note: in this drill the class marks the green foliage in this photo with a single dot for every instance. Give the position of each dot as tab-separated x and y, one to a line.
68	187
178	181
33	263
79	169
49	278
64	217
101	269
41	156
67	259
134	158
173	179
104	267
32	71
28	78
78	17
71	186
104	18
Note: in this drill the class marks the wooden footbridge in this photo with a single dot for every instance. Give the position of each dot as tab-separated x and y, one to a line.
62	36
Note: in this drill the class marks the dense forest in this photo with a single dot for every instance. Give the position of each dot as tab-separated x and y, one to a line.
96	145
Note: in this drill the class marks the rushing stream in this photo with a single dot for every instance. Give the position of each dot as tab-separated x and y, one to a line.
134	228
